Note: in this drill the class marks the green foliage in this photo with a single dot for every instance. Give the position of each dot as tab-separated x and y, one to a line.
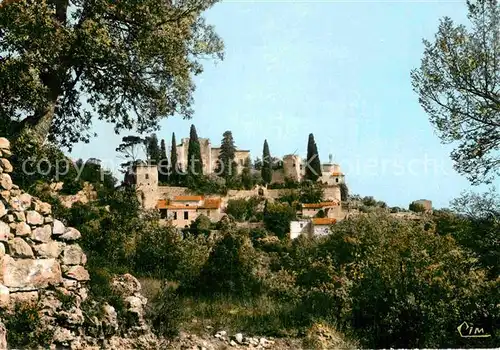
277	218
227	166
266	169
416	207
195	163
201	226
174	176
25	327
313	165
230	268
88	59
458	83
344	192
311	192
247	180
237	208
153	151
165	313
205	185
369	201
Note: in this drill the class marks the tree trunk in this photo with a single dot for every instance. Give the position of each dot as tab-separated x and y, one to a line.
39	124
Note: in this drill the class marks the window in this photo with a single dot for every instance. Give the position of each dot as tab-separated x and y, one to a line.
186	215
208	212
337	179
187	205
147	176
241	161
175	215
301	225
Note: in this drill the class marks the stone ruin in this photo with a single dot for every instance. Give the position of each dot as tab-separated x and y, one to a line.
40	261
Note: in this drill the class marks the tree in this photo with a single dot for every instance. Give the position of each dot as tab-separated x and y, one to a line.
201	225
416	207
246	176
344	192
130	149
132	62
313	165
174	166
163	166
266	169
277	217
458	85
311	192
153	151
195	164
227	166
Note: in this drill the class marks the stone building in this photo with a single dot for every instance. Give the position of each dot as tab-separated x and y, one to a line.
181	211
209	156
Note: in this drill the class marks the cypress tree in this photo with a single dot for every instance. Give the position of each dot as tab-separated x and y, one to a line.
313	166
163	163
266	164
195	165
227	167
153	149
174	176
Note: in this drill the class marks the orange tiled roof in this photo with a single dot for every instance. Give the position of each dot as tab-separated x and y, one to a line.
211	203
336	174
323	221
318	205
161	204
188	198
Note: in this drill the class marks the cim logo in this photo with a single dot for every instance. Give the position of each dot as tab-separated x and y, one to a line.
469	331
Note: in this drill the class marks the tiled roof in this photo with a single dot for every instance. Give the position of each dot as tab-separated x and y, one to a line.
323	221
181	207
337	174
188	198
211	203
318	205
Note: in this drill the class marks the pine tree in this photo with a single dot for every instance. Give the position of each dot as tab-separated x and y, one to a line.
266	164
174	175
195	164
153	149
227	166
313	166
163	149
246	175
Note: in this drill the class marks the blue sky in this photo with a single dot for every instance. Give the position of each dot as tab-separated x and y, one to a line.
337	69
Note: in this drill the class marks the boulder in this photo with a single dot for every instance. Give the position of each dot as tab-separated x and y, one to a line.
4	143
25	199
71	234
4	297
58	228
3	336
3	210
6	166
5	181
29	274
42	234
18	248
23	229
126	285
78	273
73	255
23	298
51	249
4	231
34	218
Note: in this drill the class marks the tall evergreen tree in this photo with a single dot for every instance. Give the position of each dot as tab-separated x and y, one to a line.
227	166
174	175
313	166
246	176
267	172
195	164
153	149
163	166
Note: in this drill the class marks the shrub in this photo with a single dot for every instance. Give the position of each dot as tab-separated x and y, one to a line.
277	218
229	269
25	327
165	313
201	226
416	207
237	208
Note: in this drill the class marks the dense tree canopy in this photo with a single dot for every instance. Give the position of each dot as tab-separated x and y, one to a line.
266	168
127	62
458	84
313	166
195	163
227	166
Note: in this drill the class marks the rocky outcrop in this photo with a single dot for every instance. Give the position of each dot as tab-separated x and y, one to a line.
41	263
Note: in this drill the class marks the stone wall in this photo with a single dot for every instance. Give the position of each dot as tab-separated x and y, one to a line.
38	254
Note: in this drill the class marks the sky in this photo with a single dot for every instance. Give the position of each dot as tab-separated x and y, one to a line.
337	69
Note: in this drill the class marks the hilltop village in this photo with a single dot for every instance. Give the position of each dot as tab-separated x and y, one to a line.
317	201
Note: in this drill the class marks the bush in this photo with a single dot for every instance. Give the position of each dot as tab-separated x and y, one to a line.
25	328
229	269
277	218
165	313
416	207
